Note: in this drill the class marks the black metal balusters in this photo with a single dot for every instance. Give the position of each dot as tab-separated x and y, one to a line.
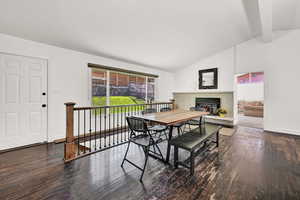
118	125
100	135
78	133
109	144
95	132
113	126
90	130
106	126
84	129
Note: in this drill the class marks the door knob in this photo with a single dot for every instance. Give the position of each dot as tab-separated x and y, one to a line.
44	105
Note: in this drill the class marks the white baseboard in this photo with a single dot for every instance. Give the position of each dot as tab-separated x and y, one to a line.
284	131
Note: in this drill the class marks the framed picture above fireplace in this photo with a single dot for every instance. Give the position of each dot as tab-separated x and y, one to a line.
208	78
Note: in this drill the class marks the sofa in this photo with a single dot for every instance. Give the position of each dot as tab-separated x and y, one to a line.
252	108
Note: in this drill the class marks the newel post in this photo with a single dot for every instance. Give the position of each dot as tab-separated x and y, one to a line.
70	152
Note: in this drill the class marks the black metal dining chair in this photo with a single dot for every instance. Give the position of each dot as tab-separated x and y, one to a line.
142	136
156	127
178	126
195	122
166	109
149	110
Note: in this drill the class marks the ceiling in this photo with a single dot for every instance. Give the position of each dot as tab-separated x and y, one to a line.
166	34
286	14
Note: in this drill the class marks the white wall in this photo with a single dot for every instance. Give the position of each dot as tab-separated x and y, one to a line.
68	77
280	62
250	91
187	79
281	65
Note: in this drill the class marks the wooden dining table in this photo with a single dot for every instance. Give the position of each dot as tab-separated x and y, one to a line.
171	118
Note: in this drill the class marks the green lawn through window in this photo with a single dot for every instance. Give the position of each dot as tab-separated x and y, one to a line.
118	100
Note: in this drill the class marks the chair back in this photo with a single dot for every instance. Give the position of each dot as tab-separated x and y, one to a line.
149	110
192	108
197	109
137	124
165	109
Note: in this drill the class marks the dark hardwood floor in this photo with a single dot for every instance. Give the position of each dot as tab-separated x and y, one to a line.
251	164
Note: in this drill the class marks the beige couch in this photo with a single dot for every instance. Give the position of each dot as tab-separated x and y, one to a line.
252	108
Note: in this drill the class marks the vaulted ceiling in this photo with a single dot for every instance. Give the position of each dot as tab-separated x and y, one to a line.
166	34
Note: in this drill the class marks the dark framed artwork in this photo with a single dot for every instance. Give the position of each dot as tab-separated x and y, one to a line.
208	78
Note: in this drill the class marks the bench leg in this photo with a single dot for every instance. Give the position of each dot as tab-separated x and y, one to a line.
175	157
192	163
217	137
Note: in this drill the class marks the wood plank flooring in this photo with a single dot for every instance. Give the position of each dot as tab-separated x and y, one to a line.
251	164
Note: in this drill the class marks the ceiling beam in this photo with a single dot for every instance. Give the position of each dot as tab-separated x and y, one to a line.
265	13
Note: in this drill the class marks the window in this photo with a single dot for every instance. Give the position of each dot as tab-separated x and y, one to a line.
99	93
137	89
150	89
119	88
253	77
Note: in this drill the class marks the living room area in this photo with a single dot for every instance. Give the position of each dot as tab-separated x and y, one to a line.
250	99
149	100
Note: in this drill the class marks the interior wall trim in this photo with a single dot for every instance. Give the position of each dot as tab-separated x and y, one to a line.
97	66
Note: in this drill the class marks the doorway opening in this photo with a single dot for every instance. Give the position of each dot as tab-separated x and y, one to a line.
250	99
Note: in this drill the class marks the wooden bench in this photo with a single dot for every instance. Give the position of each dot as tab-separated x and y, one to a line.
197	141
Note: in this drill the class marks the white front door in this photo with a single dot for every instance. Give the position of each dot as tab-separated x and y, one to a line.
23	101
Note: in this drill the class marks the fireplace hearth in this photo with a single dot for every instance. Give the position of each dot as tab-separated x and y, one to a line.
210	105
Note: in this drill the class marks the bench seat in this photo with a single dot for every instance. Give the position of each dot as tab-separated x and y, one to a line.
195	141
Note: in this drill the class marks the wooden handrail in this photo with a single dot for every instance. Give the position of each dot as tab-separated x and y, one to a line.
128	105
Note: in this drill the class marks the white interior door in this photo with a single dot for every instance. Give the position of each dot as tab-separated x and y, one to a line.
23	101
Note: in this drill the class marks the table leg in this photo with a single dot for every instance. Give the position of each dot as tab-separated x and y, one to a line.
169	146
